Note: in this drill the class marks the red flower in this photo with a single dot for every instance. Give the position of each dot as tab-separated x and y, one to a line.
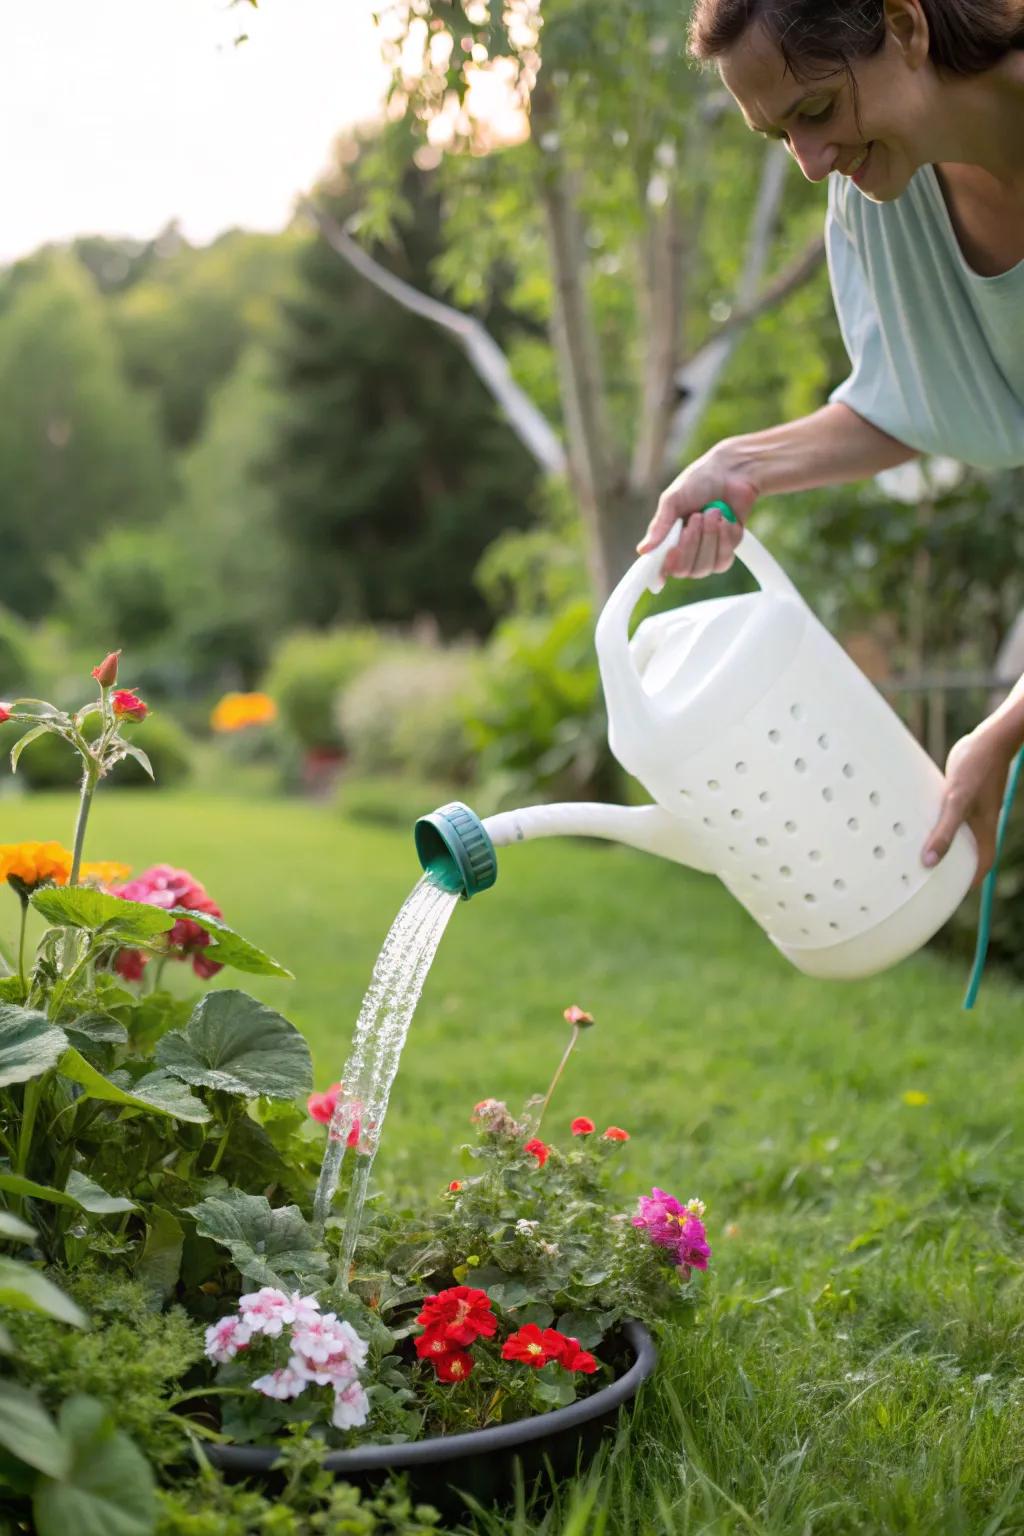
576	1015
321	1105
130	964
615	1133
454	1186
567	1352
529	1345
453	1367
128	706
461	1312
106	673
538	1150
5	713
432	1344
581	1126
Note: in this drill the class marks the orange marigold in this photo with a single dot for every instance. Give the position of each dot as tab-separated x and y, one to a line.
236	711
32	863
105	871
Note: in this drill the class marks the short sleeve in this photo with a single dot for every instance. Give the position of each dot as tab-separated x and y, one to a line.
871	390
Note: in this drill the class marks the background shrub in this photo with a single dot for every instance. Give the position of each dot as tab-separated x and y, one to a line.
50	763
308	671
407	713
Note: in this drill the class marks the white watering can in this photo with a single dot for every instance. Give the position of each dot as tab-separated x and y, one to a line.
774	764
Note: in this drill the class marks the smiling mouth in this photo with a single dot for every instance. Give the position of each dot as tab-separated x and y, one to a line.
855	169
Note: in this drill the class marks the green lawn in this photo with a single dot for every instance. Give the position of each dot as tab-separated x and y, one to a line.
856	1365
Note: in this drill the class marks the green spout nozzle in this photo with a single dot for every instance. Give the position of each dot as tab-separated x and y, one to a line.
455	850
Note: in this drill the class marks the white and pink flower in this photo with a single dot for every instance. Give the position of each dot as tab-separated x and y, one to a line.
282	1384
329	1352
269	1311
351	1407
225	1338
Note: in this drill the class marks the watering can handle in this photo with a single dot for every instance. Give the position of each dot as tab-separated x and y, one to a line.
612	637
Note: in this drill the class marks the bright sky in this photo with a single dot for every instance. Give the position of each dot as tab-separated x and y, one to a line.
118	115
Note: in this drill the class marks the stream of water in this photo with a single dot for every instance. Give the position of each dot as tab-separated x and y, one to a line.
381	1030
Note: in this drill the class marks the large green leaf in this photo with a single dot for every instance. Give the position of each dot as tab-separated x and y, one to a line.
160	1263
28	1432
15	1184
82	907
160	1096
16	1229
238	1045
269	1247
95	1029
229	948
29	1044
107	1488
27	1290
91	1197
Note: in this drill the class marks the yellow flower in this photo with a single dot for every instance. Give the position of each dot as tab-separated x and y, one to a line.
914	1097
32	863
235	711
105	871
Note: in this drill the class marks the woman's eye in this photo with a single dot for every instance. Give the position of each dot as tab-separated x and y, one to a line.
821	115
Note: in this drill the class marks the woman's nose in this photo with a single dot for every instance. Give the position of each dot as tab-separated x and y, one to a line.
814	157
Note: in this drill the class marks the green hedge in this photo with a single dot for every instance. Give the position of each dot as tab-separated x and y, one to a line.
308	671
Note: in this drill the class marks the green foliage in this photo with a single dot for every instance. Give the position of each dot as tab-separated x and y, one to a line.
48	764
107	1488
406	713
268	1247
78	448
16	665
238	1046
392	465
124	589
313	1502
310	668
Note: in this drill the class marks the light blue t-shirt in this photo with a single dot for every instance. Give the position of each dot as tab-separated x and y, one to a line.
937	351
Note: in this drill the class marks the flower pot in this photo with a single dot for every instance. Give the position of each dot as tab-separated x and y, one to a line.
481	1462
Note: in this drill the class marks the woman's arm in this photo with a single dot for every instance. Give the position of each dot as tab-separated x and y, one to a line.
829	447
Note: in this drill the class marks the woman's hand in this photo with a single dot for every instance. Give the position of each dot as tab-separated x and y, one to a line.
708	540
976	772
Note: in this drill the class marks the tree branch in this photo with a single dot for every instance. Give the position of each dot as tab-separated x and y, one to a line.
525	418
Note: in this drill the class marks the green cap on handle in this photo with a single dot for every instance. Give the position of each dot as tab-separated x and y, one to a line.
723	507
455	850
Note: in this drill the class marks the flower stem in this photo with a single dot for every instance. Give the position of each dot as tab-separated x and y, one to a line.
88	790
21	940
558	1072
222	1147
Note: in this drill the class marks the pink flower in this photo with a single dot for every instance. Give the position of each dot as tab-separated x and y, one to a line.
321	1105
351	1407
226	1338
577	1016
269	1311
5	713
282	1384
106	673
692	1249
582	1126
128	706
130	964
615	1133
671	1226
166	887
454	1186
327	1351
539	1150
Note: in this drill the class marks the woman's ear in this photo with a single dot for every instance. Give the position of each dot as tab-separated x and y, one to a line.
907	25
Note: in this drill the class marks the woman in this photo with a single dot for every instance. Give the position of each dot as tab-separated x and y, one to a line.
914	111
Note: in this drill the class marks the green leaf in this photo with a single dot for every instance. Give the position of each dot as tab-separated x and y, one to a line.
93	1199
96	1029
268	1247
14	1184
26	1290
230	948
107	1488
79	906
28	1432
140	757
14	1228
24	741
158	1096
38	707
11	989
237	1045
589	1327
29	1044
160	1263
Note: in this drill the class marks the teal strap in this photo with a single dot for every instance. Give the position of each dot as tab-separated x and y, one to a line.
988	890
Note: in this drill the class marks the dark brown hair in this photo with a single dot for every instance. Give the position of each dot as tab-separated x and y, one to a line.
819	37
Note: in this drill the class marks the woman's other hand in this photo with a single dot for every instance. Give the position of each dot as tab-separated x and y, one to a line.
976	772
708	540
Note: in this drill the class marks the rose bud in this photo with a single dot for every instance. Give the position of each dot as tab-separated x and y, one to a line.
128	706
106	673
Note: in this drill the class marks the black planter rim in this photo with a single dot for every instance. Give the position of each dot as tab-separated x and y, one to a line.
255	1460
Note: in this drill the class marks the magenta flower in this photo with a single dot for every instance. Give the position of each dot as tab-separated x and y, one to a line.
225	1338
674	1227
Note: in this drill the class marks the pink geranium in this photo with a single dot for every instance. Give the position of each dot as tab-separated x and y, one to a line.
225	1338
674	1227
269	1310
166	887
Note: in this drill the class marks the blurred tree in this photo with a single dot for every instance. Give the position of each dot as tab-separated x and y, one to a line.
79	450
393	468
185	322
640	224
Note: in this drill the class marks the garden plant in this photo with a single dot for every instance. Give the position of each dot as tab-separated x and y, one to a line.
159	1156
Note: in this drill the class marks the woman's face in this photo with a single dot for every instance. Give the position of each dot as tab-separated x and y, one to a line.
871	137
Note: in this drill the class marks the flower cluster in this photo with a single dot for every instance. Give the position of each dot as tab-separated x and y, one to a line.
679	1229
238	711
322	1351
165	887
452	1321
28	865
537	1346
497	1119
